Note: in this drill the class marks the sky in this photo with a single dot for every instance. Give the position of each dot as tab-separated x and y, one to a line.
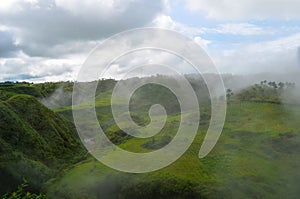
49	40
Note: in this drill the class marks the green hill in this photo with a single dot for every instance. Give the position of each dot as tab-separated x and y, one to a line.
35	143
257	155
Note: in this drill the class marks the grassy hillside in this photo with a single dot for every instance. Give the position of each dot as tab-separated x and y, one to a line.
35	143
257	155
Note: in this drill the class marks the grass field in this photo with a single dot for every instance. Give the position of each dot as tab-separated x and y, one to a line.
257	156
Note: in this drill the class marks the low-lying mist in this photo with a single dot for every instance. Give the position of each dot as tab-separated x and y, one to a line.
63	97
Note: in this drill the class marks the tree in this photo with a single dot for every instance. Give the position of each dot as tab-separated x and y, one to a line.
281	85
229	94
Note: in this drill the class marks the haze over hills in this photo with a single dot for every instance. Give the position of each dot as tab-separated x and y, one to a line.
60	94
259	143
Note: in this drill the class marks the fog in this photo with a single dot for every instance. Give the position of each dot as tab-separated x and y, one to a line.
58	98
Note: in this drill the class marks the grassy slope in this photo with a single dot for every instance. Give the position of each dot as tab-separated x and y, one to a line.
257	156
35	142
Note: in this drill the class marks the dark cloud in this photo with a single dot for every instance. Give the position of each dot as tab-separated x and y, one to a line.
46	40
47	25
20	77
7	45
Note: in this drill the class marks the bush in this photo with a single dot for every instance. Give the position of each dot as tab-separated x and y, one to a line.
21	193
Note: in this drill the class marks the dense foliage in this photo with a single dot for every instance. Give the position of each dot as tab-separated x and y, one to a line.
35	142
265	92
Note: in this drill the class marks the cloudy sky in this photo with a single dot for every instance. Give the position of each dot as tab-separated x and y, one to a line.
48	40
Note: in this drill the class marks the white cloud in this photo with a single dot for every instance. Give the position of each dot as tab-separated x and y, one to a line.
56	35
279	55
242	29
202	42
38	69
246	9
8	6
165	21
245	29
